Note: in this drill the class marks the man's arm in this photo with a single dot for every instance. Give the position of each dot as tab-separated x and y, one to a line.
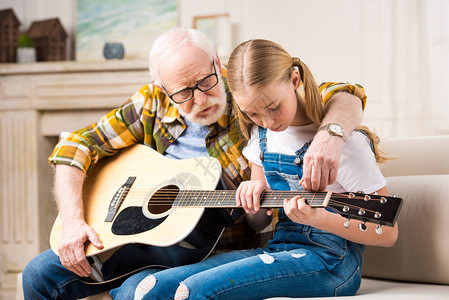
120	128
74	155
75	232
322	159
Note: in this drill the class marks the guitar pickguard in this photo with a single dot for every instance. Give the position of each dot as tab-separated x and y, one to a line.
131	220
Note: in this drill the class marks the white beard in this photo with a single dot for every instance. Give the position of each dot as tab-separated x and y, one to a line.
211	118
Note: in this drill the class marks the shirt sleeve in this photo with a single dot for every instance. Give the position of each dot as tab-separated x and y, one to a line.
328	89
359	170
252	149
119	128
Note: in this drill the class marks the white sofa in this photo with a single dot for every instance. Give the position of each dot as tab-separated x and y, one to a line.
417	266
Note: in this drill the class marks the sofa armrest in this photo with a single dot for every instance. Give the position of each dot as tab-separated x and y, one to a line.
420	253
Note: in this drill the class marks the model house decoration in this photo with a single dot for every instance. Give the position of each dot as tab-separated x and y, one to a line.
9	33
49	39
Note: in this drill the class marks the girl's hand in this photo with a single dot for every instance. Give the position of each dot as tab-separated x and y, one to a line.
300	212
248	195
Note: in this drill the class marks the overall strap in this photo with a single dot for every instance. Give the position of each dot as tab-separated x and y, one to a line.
300	153
262	142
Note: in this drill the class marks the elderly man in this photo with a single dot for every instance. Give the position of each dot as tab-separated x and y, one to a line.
187	112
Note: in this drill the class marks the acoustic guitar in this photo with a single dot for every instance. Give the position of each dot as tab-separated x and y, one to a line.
140	196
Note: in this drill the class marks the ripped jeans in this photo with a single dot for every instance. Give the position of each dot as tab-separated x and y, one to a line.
299	261
262	273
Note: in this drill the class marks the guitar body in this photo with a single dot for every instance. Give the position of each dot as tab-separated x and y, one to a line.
142	217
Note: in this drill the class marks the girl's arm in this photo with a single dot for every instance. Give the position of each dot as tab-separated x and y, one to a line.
298	211
248	196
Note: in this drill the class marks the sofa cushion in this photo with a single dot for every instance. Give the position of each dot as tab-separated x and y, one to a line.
374	289
421	251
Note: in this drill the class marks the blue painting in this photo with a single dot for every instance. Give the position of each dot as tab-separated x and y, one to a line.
133	23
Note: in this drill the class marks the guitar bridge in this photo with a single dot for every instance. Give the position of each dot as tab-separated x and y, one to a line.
118	199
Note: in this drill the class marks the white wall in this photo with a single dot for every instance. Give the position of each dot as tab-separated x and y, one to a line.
397	49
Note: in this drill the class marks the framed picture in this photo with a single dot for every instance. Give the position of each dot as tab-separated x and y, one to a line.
218	29
129	24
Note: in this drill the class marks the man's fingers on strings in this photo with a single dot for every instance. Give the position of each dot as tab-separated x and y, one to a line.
324	180
304	182
332	176
315	178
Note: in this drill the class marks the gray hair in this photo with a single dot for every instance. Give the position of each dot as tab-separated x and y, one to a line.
175	39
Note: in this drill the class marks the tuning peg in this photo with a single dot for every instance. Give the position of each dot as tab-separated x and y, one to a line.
362	226
379	229
347	223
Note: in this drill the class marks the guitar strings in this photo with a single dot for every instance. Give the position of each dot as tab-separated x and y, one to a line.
177	191
160	199
163	194
220	193
263	205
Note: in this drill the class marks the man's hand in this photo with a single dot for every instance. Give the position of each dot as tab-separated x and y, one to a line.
321	161
71	247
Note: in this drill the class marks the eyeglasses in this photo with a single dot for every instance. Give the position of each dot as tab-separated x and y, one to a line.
203	85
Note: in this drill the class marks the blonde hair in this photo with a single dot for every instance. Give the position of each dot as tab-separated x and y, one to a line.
258	63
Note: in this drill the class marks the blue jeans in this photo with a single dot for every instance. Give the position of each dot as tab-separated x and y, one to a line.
44	277
260	274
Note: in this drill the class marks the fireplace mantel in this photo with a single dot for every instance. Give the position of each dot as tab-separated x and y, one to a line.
37	102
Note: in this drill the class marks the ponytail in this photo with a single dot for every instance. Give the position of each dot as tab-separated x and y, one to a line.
314	102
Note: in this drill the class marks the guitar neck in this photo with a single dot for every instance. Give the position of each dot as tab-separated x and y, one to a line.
226	198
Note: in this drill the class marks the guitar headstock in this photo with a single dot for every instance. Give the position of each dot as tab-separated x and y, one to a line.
378	209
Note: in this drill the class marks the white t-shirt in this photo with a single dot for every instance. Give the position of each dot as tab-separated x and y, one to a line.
358	169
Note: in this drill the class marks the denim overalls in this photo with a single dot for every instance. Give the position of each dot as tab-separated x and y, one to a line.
283	172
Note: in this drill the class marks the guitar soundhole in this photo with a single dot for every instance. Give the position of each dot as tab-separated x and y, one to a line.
162	200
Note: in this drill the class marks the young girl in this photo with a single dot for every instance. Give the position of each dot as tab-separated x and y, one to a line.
311	254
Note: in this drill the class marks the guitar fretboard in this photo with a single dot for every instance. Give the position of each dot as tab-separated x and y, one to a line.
226	198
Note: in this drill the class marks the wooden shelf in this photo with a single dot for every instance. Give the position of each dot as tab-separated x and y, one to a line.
73	66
